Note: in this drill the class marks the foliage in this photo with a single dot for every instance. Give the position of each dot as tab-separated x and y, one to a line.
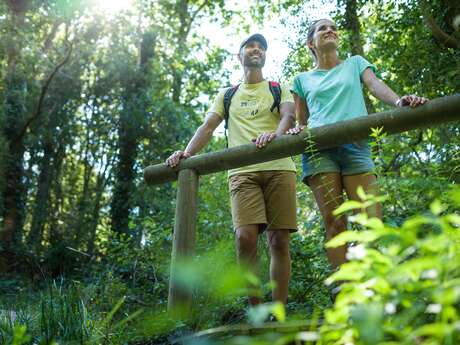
133	89
401	284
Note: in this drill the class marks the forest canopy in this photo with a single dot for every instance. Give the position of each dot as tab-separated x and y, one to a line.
92	93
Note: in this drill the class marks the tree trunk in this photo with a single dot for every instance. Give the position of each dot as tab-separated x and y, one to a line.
186	17
13	191
129	133
353	26
57	202
18	120
99	190
42	199
124	177
13	199
81	220
182	14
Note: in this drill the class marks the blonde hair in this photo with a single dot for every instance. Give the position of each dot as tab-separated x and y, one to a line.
311	33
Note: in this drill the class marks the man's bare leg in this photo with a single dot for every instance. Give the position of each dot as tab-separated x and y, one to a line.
246	249
280	263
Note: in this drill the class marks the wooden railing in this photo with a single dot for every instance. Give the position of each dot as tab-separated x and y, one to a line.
433	113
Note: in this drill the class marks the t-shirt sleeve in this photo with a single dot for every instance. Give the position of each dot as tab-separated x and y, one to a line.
286	95
297	87
362	64
217	105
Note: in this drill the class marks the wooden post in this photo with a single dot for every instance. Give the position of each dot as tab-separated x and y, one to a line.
184	237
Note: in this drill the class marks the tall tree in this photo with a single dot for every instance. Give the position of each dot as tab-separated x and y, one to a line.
20	113
351	23
131	125
173	48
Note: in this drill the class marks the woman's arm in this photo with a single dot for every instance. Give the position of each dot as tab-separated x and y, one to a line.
301	110
302	114
383	92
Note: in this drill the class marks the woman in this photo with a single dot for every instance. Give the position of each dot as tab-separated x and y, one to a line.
332	92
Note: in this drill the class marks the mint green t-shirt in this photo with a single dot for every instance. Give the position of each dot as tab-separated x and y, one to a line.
333	95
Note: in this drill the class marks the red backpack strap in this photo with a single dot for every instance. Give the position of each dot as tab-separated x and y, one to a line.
275	89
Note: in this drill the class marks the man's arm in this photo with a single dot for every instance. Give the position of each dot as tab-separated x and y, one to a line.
287	120
201	137
384	93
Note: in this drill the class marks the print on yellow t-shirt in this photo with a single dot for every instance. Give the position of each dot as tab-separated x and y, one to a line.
249	116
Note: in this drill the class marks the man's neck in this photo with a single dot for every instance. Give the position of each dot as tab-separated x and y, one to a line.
327	59
253	75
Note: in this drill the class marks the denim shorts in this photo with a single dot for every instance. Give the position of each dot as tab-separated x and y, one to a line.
348	159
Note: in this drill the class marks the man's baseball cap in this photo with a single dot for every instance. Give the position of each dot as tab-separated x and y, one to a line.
255	37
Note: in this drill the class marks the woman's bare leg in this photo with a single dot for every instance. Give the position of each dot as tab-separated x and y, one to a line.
328	191
369	184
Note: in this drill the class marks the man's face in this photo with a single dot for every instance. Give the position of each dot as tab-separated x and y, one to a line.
252	55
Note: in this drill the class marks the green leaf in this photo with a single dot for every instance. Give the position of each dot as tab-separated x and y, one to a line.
260	313
377	132
347	206
279	311
377	257
110	315
415	222
438	330
454	195
375	223
453	219
352	271
414	268
362	195
368	320
380	285
19	335
128	319
436	207
351	236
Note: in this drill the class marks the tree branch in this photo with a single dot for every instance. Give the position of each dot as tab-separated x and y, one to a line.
51	35
198	10
41	100
443	38
392	165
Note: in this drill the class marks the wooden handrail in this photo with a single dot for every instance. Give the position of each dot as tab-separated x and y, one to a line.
435	112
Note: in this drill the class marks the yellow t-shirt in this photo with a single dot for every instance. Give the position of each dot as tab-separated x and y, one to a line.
249	116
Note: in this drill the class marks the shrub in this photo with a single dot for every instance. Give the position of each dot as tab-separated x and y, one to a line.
402	285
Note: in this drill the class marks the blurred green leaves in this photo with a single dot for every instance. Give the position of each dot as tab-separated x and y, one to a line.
262	313
401	285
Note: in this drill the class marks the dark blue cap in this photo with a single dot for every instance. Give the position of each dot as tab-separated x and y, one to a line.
255	37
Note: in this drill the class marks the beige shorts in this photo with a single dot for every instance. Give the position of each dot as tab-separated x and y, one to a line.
266	198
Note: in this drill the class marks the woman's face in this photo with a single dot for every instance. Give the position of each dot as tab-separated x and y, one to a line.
325	36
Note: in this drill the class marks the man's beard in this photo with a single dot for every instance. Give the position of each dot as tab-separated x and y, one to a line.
259	63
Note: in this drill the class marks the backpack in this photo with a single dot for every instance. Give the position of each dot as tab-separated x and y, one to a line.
275	90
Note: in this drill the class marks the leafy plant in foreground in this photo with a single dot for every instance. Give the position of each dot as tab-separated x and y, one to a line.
402	285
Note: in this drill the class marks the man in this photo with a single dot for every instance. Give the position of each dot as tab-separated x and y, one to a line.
262	195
